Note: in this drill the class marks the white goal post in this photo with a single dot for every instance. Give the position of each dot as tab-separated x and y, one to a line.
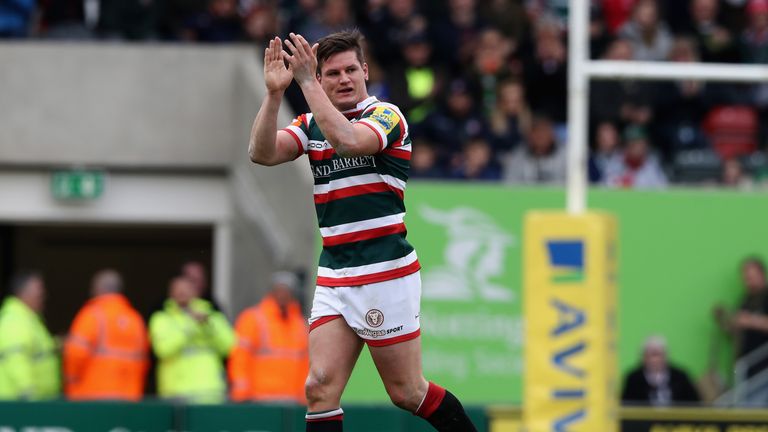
581	69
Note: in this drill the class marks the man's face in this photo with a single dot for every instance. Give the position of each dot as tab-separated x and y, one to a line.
195	273
655	359
182	291
342	77
34	294
753	277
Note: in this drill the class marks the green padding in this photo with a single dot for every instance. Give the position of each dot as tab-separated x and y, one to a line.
86	417
235	418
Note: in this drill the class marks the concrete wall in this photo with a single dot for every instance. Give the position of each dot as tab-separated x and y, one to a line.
118	105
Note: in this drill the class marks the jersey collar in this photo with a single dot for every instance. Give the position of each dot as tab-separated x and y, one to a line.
354	112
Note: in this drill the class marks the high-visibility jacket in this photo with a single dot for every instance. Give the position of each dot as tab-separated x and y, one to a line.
106	354
190	353
270	361
29	363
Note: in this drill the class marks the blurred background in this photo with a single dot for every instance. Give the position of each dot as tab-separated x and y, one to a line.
123	133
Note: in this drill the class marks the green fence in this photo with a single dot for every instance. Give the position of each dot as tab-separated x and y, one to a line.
166	417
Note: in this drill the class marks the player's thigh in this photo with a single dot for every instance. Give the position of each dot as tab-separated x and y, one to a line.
333	352
399	367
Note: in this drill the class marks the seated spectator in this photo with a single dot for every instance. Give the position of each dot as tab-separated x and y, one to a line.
334	16
754	40
510	117
733	175
390	25
540	160
714	40
748	326
270	362
190	339
455	36
220	23
415	84
656	382
509	16
490	65
476	162
260	24
454	121
424	162
637	167
15	18
546	75
680	106
607	146
649	36
623	101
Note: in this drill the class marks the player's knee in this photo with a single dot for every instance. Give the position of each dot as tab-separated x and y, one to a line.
404	397
315	387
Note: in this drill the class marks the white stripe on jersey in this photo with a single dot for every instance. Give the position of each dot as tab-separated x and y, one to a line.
359	180
376	127
367	269
362	225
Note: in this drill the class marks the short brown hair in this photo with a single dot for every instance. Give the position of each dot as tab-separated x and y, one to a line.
347	40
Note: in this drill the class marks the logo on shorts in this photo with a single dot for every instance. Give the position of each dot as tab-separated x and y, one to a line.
374	318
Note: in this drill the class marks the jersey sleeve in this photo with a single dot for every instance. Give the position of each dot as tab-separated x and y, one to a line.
388	123
299	130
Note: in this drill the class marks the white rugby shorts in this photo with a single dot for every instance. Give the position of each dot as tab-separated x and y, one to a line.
383	313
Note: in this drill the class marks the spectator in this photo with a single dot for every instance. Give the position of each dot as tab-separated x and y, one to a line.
15	18
455	38
106	352
490	65
510	117
607	146
334	16
508	16
424	162
546	76
754	40
28	354
715	41
649	36
260	24
636	167
219	23
749	325
455	121
476	162
682	105
416	83
390	25
656	382
270	361
617	13
190	339
733	175
173	14
600	36
622	101
541	160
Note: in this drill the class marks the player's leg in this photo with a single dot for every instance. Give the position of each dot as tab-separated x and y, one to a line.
399	366
333	351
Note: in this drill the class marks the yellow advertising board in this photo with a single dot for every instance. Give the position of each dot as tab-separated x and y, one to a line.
570	382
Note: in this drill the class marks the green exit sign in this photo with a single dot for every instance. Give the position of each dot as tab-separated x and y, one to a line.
77	184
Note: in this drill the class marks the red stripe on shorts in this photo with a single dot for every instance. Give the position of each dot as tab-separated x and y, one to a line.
322	320
394	340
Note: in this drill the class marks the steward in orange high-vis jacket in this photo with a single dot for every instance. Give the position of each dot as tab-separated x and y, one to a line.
106	351
270	361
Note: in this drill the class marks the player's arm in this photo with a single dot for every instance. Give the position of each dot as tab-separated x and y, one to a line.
348	139
267	145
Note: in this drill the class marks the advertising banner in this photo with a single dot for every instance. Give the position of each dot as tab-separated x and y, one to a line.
570	311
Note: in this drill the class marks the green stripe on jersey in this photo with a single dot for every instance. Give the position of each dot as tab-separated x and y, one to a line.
386	248
358	208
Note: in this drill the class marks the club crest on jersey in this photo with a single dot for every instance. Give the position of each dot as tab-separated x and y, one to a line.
374	318
386	118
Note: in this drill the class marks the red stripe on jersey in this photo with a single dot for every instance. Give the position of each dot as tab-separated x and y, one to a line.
400	154
369	278
381	143
355	191
317	155
298	142
363	235
339	417
394	340
322	320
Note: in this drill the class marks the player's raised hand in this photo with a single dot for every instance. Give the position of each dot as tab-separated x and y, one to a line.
277	77
303	60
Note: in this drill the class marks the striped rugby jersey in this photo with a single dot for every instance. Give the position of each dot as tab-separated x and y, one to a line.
359	200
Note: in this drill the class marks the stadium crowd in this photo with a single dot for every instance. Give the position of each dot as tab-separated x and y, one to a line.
483	82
